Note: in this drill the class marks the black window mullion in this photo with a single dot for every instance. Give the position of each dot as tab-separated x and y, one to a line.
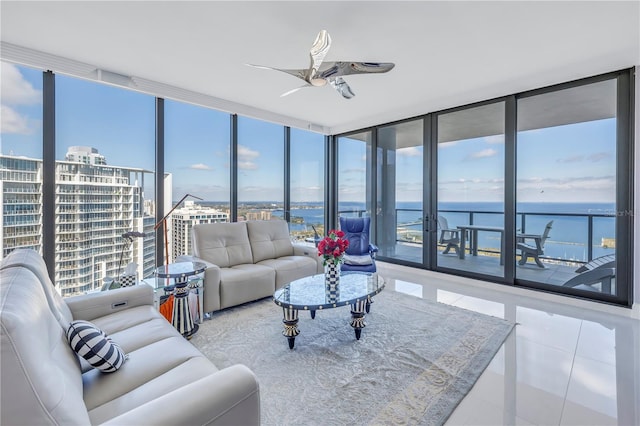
233	169
287	174
49	171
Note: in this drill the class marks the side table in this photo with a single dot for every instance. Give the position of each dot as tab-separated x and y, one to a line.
180	273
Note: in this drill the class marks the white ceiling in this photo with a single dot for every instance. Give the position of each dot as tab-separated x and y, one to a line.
446	53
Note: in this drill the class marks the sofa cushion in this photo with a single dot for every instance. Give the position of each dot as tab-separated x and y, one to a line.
95	346
245	283
189	371
269	239
363	260
291	268
223	244
41	381
143	366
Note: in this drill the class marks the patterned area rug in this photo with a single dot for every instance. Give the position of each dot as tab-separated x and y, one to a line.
414	363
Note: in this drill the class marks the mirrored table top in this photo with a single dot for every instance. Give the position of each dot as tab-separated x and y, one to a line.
180	269
311	293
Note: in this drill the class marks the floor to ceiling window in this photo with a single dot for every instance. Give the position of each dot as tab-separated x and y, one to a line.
197	153
470	211
260	170
566	186
533	189
400	228
354	175
306	185
21	159
105	156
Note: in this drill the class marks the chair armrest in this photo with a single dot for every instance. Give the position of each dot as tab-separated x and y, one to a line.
594	276
373	249
95	305
531	236
228	397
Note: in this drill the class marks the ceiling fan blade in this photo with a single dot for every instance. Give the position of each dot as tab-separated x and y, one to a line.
337	69
295	72
342	87
293	91
317	53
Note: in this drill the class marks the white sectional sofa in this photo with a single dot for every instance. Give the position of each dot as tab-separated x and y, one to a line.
250	260
164	380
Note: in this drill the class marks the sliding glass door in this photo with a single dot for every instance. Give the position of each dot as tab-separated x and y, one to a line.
470	190
400	227
566	188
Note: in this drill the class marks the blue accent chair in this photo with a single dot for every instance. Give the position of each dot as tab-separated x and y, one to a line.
360	255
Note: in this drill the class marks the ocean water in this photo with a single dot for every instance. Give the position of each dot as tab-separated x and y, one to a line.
568	238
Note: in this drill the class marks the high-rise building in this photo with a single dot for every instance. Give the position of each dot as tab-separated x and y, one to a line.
183	219
95	205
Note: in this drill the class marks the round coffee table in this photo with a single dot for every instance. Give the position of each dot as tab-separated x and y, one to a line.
312	294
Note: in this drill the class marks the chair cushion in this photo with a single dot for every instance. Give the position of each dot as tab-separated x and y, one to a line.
350	259
357	233
95	346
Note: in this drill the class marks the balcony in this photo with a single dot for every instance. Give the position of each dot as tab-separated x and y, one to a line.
574	240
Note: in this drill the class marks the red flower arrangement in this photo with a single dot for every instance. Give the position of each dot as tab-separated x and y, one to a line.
332	247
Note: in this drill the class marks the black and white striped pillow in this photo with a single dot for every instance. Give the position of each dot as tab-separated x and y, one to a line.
95	346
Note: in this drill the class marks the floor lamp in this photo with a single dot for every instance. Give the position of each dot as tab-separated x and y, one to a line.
163	222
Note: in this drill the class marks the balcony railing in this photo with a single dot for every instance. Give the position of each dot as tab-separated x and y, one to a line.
588	221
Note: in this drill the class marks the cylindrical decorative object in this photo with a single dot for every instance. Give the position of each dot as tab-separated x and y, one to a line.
332	274
332	293
182	320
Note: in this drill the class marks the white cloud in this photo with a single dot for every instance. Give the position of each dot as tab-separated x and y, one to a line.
247	165
571	159
354	170
411	151
599	156
245	158
247	153
15	89
489	152
495	139
589	183
12	122
199	166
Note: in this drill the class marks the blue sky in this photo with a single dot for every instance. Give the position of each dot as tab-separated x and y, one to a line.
571	163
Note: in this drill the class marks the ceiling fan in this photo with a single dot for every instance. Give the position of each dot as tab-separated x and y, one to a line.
320	73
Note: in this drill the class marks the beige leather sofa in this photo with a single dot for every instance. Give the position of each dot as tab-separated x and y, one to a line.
165	379
247	261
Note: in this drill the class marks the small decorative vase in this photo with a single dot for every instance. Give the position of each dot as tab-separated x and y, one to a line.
332	273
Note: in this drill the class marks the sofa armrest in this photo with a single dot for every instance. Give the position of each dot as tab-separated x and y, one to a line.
304	250
95	305
211	285
309	251
228	397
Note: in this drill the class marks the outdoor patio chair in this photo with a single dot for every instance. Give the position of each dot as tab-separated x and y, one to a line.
600	271
532	245
450	237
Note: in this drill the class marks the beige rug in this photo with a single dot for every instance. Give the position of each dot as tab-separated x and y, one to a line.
415	362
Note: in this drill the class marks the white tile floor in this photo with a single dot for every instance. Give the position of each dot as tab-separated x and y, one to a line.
574	363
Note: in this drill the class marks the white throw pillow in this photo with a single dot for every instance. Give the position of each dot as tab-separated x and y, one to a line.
95	346
363	260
